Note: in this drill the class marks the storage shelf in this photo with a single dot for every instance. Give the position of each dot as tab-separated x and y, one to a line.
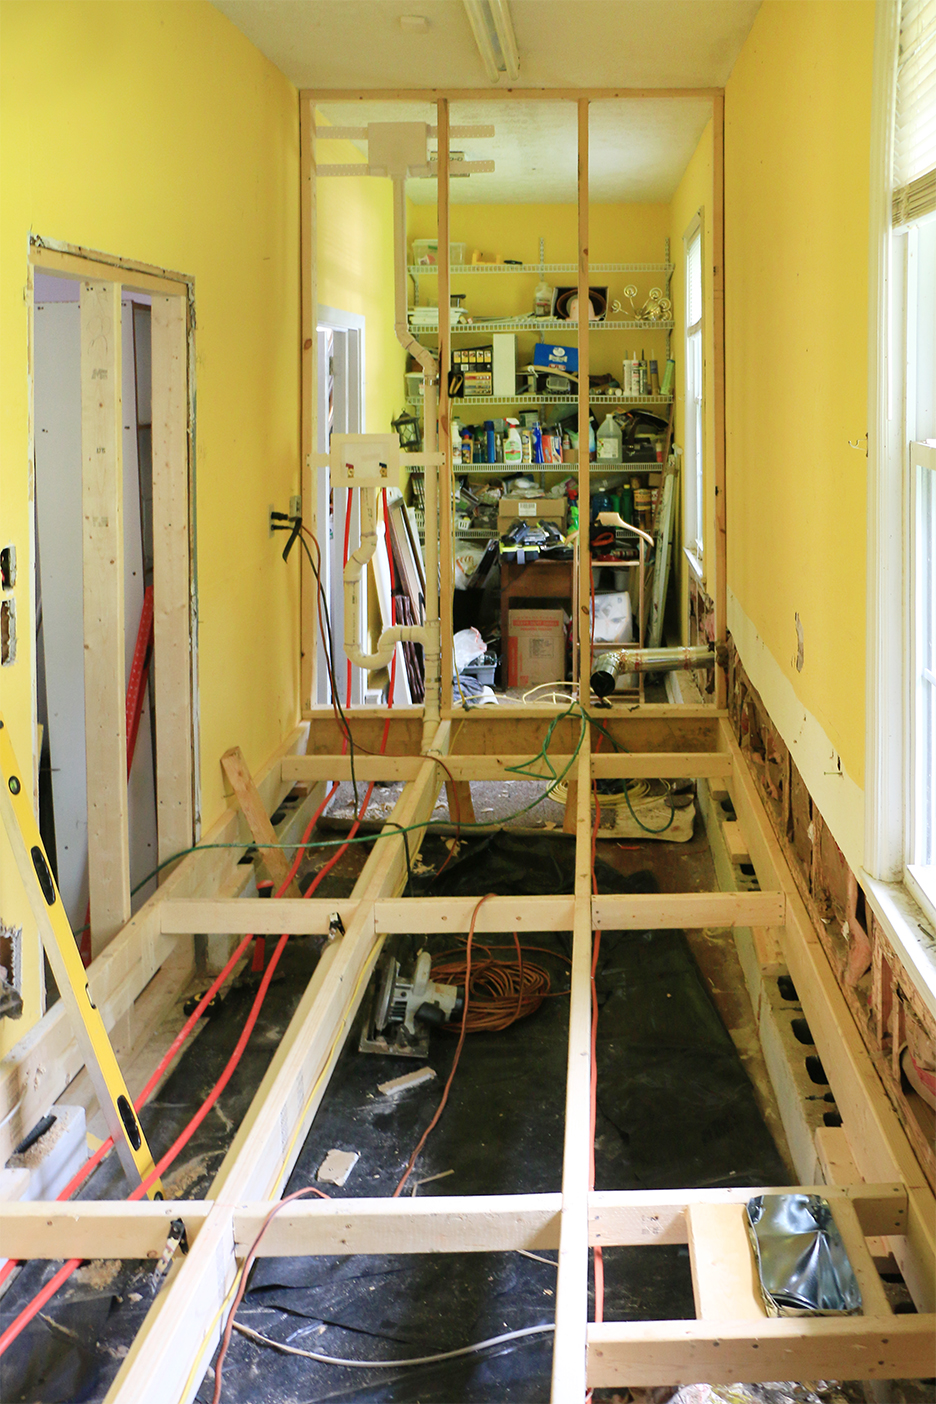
457	269
556	400
536	324
467	533
569	469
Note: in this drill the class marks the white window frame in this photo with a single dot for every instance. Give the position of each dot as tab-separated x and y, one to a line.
694	407
904	905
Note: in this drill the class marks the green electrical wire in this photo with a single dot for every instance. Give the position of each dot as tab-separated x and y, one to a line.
552	777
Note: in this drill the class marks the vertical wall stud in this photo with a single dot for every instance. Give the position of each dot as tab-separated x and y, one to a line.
102	565
718	291
172	618
446	480
584	498
309	363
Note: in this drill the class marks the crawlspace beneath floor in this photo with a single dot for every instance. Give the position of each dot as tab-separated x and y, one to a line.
675	1108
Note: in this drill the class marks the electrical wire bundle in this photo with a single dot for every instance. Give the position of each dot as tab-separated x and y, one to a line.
499	991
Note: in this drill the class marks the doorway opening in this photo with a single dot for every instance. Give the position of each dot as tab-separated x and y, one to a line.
114	655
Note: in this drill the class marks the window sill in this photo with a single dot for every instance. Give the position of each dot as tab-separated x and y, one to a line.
695	564
910	930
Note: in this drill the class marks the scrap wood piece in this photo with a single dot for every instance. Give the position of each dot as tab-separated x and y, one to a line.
336	1167
410	1079
258	821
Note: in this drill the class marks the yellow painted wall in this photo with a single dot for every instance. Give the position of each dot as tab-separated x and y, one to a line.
355	273
693	194
798	109
155	131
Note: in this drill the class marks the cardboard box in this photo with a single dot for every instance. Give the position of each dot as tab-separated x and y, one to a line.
535	646
533	507
563	357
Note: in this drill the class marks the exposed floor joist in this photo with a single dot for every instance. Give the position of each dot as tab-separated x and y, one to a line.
175	1345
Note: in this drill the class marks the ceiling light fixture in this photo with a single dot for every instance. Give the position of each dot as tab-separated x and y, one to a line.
494	35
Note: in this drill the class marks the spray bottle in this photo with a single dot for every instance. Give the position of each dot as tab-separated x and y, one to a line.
513	448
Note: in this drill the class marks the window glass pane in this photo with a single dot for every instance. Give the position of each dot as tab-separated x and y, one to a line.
694	281
924	473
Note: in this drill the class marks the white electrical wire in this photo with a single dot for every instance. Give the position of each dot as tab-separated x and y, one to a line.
391	1364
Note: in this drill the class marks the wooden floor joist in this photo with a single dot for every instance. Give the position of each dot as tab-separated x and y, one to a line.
731	1339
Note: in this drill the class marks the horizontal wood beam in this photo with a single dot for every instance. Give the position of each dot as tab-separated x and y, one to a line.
460	1224
628	1218
453	914
648	911
646	1353
617	765
389	768
660	765
105	1229
317	95
644	911
404	915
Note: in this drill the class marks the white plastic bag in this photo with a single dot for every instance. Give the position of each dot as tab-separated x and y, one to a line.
469	645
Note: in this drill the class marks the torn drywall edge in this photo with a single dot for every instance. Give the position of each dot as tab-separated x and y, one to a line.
839	800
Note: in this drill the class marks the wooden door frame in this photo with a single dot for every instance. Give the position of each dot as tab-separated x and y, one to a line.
103	280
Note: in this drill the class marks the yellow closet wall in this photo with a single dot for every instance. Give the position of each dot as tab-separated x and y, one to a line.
156	132
798	109
355	272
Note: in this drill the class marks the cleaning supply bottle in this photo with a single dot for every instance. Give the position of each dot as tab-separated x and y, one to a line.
526	446
572	495
542	300
456	443
489	441
634	375
610	440
513	447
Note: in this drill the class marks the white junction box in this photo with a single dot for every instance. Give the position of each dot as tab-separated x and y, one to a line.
364	460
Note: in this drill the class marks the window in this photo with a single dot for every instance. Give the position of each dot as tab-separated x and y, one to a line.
901	814
914	216
692	429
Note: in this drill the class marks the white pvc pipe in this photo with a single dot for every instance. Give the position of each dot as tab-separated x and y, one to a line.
429	635
353	572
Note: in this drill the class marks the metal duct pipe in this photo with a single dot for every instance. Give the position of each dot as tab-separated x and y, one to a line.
608	666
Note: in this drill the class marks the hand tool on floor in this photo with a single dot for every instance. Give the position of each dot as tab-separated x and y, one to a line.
65	960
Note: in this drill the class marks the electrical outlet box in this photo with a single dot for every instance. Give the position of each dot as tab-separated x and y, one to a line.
365	460
295	507
398	149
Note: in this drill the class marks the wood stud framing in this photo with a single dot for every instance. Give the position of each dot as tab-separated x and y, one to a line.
102	571
731	1339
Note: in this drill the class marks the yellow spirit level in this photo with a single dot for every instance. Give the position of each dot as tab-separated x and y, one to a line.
69	972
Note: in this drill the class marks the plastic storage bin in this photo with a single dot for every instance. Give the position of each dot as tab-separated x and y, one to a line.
427	251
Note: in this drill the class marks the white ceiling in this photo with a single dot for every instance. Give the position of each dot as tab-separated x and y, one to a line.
639	149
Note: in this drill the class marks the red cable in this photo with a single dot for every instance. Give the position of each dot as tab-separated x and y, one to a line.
64	1272
344	562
